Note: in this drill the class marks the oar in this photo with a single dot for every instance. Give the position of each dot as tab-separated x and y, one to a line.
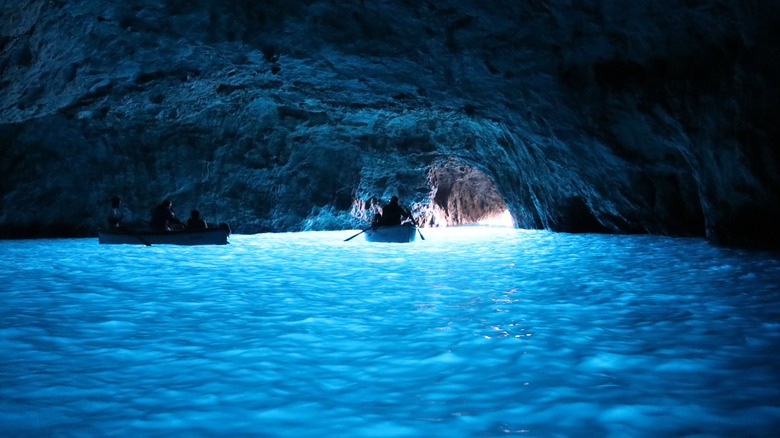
347	240
414	222
139	237
144	241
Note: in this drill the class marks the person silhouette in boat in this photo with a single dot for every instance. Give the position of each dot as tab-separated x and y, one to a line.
163	218
116	215
195	222
377	220
394	214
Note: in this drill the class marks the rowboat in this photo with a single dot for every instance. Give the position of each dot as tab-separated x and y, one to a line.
394	234
207	236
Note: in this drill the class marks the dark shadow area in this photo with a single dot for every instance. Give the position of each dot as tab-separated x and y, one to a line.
751	227
38	230
577	217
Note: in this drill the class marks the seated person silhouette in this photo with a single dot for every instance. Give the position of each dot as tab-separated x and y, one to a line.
116	215
195	222
393	214
163	218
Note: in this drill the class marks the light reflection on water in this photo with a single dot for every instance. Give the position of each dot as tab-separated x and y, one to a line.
471	332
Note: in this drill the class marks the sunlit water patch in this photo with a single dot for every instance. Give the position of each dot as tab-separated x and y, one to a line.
470	332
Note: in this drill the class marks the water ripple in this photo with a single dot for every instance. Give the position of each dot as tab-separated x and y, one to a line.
471	332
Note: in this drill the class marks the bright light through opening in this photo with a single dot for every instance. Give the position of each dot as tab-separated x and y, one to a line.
503	219
465	195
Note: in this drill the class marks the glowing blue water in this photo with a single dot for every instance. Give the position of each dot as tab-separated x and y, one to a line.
471	332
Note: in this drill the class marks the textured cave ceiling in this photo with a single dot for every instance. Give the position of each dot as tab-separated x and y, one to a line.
592	116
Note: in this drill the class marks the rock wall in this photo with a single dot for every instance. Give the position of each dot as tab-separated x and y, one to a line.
589	116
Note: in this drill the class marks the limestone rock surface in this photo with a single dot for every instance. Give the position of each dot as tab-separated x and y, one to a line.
588	116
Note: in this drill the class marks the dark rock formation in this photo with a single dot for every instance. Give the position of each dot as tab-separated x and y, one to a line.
589	116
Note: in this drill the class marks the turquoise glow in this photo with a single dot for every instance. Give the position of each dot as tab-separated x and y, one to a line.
471	332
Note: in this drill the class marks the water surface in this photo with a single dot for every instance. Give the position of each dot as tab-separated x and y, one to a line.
471	332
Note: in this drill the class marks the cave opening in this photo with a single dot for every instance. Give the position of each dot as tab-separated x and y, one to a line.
464	195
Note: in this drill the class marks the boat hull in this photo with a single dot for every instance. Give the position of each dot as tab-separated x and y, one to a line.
208	236
392	234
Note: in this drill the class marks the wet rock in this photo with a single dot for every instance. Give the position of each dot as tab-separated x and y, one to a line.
282	116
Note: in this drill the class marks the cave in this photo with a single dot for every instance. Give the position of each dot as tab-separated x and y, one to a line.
625	156
282	117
